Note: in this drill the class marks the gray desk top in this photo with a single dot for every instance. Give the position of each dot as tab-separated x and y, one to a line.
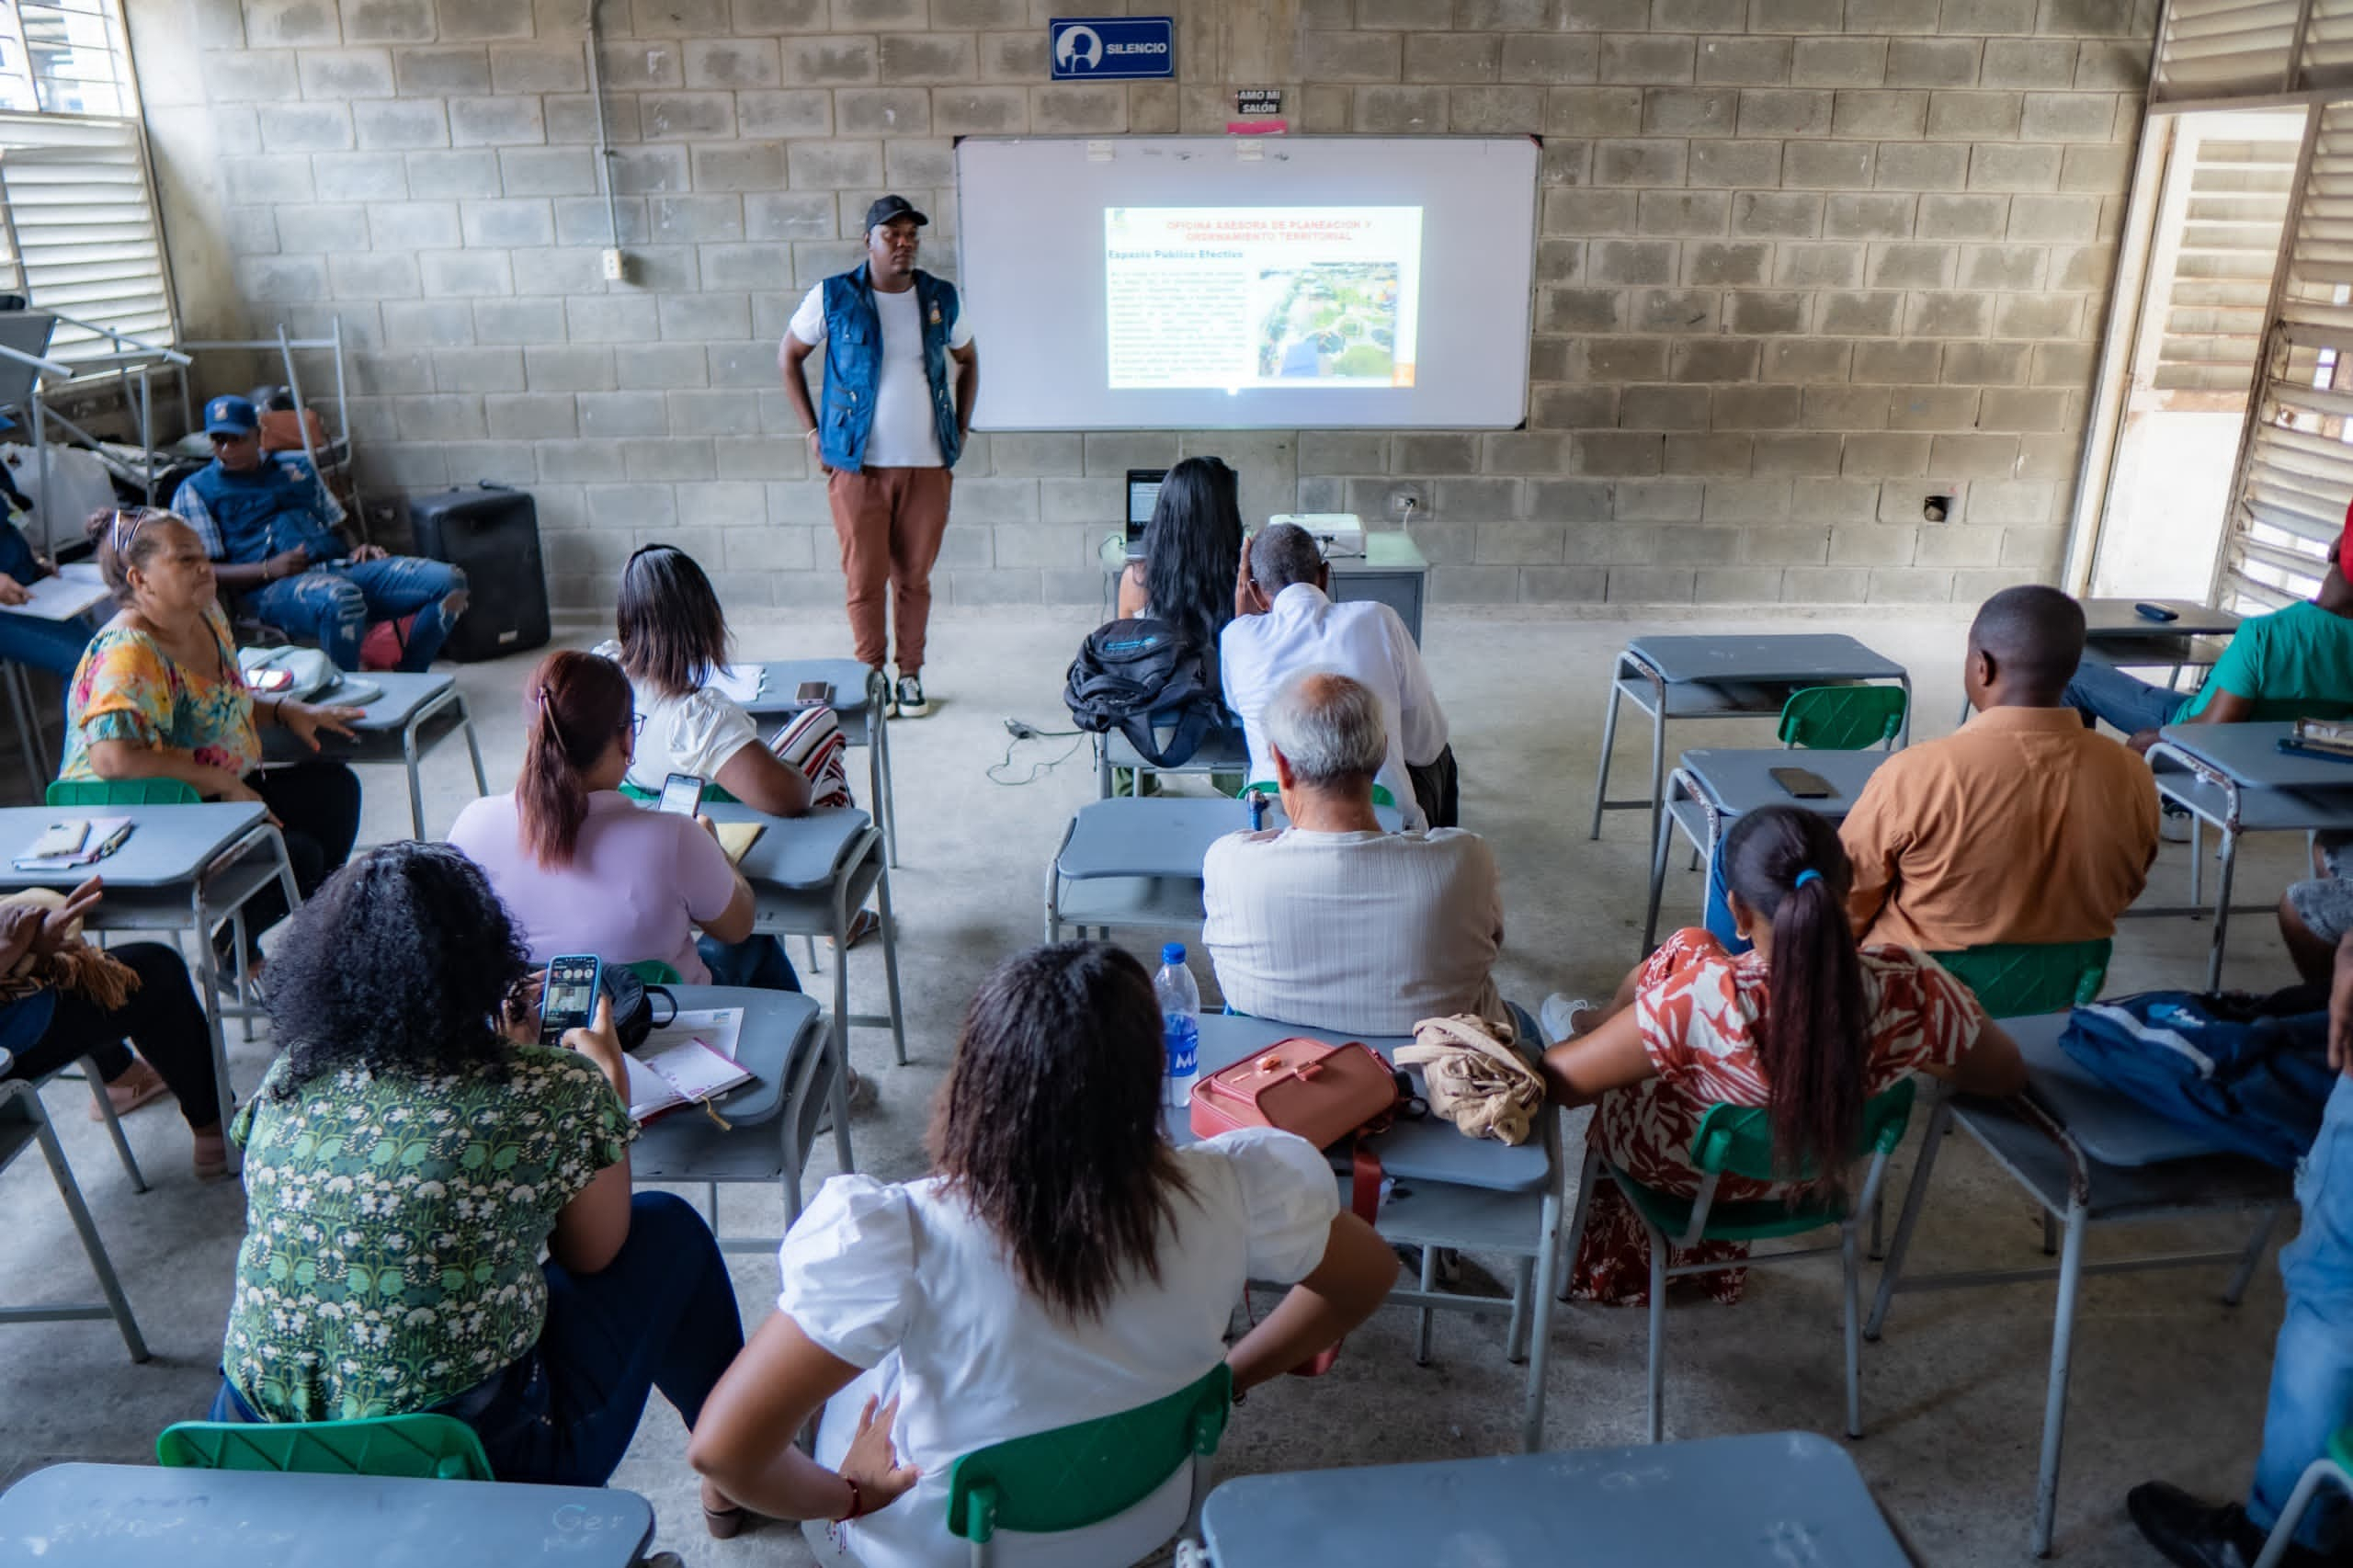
1385	549
1429	1150
2105	618
1157	836
773	1023
795	853
168	845
403	694
1768	1500
379	726
1786	657
120	1516
846	676
1741	780
2249	756
2112	1130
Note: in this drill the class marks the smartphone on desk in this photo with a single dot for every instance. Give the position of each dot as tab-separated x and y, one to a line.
681	794
568	1001
60	838
270	678
813	694
1802	783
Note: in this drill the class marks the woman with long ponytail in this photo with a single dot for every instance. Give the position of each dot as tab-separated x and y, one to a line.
1806	1024
584	869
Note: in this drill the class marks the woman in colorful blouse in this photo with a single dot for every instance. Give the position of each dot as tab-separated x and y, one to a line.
158	695
1805	1023
407	1161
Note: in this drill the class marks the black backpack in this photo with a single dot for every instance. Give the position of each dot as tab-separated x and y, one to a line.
1132	671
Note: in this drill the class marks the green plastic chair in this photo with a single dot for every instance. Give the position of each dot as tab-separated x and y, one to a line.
2016	979
1738	1141
424	1448
2334	1468
1842	718
122	792
654	972
1083	1473
1380	795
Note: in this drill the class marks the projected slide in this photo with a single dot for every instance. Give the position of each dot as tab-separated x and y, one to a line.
1234	297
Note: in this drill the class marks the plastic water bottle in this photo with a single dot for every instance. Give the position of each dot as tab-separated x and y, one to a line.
1180	1016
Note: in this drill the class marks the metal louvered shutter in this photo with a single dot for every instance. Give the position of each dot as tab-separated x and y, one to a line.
2225	49
80	219
2216	255
2295	476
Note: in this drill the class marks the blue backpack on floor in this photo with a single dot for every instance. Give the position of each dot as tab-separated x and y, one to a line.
2250	1073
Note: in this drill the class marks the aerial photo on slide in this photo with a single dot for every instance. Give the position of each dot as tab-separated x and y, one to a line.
1329	320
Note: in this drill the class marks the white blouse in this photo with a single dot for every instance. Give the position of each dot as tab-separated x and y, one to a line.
907	1281
696	733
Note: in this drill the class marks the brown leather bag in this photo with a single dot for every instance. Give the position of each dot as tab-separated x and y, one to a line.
1327	1094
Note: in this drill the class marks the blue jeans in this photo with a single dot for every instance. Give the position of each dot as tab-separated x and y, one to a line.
335	602
45	644
2312	1364
661	1314
757	963
2129	703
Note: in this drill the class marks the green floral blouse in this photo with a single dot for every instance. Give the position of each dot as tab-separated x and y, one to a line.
394	1226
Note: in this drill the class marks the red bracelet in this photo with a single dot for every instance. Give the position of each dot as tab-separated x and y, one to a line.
857	1502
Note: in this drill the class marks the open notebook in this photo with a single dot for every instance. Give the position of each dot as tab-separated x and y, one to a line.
686	1061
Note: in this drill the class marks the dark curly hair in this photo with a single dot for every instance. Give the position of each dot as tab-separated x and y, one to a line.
1050	1122
403	962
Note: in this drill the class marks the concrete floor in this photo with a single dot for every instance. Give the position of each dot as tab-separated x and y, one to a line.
2167	1381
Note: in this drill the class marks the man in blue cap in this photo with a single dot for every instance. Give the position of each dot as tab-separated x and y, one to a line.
901	379
270	526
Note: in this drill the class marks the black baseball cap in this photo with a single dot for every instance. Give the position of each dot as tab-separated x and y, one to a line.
887	208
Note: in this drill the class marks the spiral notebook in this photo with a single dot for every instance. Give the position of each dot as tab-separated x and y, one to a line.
686	1061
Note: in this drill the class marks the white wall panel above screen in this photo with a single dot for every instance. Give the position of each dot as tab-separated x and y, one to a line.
1216	282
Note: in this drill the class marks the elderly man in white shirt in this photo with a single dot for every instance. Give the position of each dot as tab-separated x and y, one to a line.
1333	922
1285	622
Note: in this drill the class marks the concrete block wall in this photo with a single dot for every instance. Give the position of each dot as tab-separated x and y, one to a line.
1804	264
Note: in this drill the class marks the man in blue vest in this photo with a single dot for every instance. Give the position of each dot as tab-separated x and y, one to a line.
901	379
270	526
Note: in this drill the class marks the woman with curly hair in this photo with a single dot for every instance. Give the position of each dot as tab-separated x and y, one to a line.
408	1157
1065	1262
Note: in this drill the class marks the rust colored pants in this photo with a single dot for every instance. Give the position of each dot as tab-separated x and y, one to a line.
889	521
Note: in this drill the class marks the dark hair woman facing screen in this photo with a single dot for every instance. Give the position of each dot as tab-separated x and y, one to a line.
1064	1262
1805	1023
1192	549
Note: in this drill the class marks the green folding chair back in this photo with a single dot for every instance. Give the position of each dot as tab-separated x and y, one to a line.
122	792
1380	795
2016	979
1081	1474
1738	1141
1842	718
427	1448
654	972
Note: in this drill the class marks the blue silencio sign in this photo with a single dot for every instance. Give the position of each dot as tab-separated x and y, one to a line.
1104	47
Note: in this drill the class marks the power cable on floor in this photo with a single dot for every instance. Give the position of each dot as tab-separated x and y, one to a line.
1021	732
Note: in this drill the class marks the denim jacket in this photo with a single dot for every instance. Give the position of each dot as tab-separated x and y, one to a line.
854	365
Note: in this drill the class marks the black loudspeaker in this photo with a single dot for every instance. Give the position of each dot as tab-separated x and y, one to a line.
491	534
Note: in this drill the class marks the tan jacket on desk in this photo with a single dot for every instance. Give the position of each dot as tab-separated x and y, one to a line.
2022	826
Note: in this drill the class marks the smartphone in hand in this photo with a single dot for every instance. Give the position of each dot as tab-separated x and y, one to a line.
681	794
569	999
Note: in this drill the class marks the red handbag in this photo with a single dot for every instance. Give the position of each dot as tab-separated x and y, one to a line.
1327	1094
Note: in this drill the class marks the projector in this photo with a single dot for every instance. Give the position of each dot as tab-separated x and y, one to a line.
1340	533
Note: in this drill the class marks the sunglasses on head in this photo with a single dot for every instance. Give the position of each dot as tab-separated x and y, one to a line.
123	531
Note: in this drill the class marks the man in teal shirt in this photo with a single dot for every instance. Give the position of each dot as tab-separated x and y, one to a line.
2295	662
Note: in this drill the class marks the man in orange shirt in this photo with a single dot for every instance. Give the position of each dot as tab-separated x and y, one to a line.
2022	826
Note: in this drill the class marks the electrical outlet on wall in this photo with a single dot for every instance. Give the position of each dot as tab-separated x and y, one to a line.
615	265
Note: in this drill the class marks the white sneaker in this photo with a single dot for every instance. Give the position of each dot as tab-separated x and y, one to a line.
1559	1015
908	702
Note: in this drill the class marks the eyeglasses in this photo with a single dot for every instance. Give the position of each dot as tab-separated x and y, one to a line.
636	726
233	438
122	533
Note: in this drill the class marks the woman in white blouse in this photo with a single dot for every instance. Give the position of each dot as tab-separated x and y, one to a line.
673	638
1066	1262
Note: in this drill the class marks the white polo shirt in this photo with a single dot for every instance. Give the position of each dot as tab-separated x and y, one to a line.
1363	640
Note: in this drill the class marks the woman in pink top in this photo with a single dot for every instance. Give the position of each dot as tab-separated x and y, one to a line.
586	870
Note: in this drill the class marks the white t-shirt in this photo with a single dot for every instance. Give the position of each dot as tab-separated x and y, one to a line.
907	1281
904	434
695	733
1302	631
1366	932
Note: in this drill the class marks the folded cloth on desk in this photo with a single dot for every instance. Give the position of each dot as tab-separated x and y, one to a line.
738	683
1474	1078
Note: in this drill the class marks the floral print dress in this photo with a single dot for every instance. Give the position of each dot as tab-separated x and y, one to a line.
394	1224
128	688
1699	1009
